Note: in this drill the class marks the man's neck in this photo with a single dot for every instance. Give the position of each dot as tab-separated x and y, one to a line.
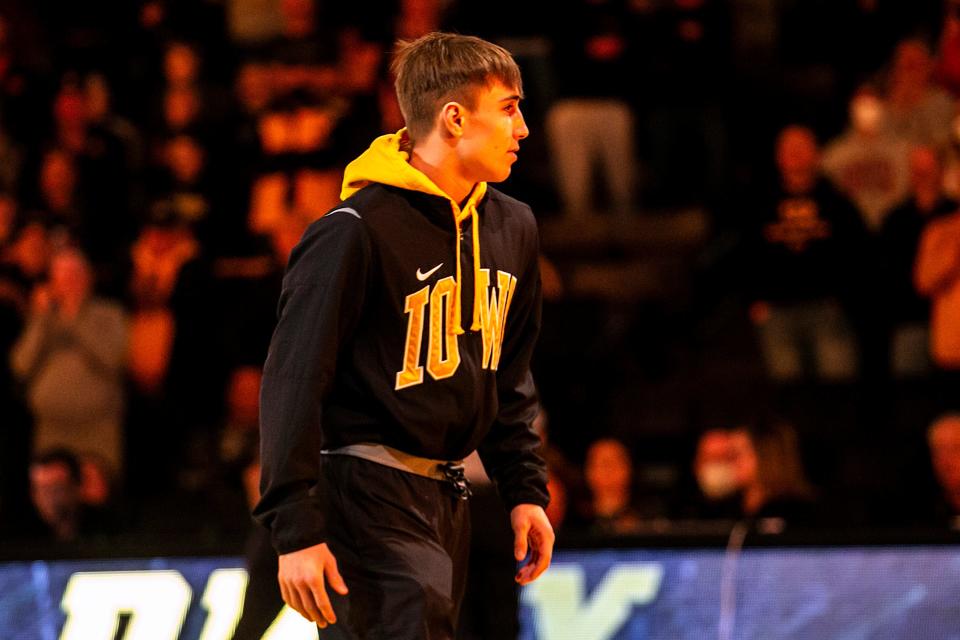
436	160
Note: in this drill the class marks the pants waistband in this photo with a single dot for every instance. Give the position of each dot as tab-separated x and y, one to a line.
390	457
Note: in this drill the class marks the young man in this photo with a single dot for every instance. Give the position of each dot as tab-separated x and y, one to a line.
407	320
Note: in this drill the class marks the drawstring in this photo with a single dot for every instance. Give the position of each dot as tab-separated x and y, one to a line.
456	321
476	270
455	324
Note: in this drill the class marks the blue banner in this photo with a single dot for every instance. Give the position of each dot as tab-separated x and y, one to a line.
843	594
850	593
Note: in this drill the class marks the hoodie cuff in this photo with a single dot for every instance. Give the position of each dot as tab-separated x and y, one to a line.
526	496
297	526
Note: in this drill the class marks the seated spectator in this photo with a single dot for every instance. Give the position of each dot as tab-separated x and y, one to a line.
715	472
943	438
768	468
608	471
70	356
56	489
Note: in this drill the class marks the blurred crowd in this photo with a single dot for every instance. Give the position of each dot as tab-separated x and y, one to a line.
159	160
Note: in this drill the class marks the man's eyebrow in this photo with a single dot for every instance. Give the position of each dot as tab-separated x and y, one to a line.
511	98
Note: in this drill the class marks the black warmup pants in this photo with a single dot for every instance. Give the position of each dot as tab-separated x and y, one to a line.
402	545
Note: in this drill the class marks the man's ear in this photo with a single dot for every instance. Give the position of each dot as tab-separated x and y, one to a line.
451	117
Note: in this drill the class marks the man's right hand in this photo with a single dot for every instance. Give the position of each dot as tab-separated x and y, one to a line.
303	575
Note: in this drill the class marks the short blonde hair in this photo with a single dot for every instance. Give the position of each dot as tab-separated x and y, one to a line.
441	67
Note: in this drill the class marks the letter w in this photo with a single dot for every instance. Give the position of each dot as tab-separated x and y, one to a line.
493	314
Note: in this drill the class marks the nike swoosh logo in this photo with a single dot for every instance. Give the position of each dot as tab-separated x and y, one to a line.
423	276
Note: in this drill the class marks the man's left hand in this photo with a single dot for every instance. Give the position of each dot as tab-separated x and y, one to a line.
531	530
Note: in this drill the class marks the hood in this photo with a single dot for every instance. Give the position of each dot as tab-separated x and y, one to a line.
387	161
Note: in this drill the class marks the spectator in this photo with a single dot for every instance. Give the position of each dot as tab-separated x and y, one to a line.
14	296
868	163
70	357
239	435
906	315
718	489
24	253
564	481
769	469
59	201
181	183
802	234
174	353
93	202
164	247
304	56
107	124
943	438
937	277
213	470
56	489
686	51
608	471
591	124
920	111
947	70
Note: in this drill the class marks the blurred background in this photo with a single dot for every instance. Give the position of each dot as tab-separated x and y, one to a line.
750	252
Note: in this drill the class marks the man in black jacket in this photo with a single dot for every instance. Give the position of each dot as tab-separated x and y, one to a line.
407	321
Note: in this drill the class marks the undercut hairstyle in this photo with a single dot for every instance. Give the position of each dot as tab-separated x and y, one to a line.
446	67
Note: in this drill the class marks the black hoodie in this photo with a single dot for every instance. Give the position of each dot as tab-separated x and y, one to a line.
368	347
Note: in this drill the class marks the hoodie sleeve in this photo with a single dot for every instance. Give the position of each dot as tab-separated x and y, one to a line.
510	452
321	300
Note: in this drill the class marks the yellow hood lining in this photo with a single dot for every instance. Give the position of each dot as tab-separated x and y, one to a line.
387	161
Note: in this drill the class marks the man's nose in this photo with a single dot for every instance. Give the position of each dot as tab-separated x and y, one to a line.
520	130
